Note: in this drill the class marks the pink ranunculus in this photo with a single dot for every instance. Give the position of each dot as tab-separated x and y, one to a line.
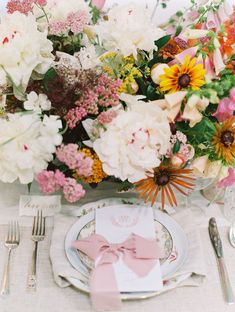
98	3
229	180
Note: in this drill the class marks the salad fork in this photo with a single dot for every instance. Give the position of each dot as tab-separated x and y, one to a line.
11	242
38	235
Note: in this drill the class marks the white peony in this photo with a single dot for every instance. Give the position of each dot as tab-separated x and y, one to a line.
27	144
37	103
135	141
128	29
23	49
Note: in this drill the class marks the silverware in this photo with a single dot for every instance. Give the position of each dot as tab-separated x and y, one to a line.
38	234
217	244
11	242
231	234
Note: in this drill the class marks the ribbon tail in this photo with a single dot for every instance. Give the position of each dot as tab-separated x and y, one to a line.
104	290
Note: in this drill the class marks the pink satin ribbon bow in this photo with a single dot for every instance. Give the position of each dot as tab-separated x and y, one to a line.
139	254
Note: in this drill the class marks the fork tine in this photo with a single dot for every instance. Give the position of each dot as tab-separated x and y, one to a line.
8	231
43	229
34	225
39	223
11	231
17	231
14	231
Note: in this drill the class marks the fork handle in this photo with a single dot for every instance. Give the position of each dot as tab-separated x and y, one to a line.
5	279
32	277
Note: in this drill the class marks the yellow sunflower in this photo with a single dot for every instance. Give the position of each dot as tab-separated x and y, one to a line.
224	140
181	77
163	180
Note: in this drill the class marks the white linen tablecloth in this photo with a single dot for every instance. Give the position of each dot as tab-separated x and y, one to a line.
51	298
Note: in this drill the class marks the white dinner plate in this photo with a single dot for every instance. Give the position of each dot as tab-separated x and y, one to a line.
168	232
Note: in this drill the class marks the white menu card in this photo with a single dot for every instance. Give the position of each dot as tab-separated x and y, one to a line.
116	224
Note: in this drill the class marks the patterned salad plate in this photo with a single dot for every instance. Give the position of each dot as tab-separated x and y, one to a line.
169	235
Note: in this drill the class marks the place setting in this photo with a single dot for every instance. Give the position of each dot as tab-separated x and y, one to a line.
117	155
107	227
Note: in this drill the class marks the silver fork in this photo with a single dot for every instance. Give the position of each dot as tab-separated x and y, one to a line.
11	242
38	234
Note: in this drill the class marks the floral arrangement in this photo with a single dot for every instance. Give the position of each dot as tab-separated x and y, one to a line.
88	94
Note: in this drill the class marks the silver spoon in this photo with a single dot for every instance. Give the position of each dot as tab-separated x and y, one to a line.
231	234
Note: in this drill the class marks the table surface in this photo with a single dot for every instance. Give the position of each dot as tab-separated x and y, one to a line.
50	298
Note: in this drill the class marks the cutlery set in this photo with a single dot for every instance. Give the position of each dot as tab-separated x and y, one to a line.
12	241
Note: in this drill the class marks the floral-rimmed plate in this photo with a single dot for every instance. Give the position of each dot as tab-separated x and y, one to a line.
170	234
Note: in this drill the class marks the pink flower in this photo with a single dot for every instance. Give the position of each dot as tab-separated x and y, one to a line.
106	117
72	190
41	2
50	181
77	21
58	27
232	94
229	180
75	115
98	3
74	159
226	107
22	6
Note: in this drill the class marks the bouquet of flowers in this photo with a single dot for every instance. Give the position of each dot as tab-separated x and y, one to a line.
88	94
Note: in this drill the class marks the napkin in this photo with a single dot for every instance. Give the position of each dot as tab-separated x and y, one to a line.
192	272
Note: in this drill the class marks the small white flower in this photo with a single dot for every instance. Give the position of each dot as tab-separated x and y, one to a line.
37	103
135	141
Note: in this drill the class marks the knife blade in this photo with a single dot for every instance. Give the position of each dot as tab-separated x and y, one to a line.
224	278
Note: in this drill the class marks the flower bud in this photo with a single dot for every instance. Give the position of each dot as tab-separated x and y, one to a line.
156	71
177	161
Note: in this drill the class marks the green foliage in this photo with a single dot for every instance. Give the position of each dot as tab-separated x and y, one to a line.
200	137
95	14
29	185
50	75
151	93
176	147
125	186
178	30
162	41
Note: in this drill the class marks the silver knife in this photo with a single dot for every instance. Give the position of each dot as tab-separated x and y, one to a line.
217	244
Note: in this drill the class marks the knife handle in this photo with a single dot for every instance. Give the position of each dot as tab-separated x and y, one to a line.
217	244
225	282
215	238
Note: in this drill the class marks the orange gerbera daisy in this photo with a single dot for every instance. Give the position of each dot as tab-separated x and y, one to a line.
188	75
224	140
162	180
